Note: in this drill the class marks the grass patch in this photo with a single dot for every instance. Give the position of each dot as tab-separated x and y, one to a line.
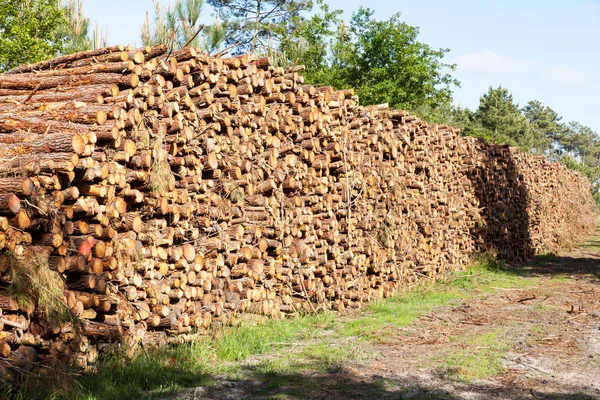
399	311
240	342
157	372
292	367
480	358
149	375
382	316
592	245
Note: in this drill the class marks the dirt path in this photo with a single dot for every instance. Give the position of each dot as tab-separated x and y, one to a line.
535	340
543	340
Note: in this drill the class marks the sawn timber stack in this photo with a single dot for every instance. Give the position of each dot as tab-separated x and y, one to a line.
163	193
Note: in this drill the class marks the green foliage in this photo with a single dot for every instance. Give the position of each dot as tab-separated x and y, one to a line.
308	43
545	125
502	119
36	30
30	31
382	60
252	23
76	29
178	26
389	65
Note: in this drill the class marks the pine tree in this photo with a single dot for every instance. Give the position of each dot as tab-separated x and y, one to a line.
252	23
545	125
76	30
499	114
179	25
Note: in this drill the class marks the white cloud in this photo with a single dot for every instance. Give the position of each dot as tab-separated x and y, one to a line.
490	63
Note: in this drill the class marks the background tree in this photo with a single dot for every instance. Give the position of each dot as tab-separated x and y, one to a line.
252	23
34	30
382	60
309	42
502	118
545	126
30	31
389	64
179	25
76	30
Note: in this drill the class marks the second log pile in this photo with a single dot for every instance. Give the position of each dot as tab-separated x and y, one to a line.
153	193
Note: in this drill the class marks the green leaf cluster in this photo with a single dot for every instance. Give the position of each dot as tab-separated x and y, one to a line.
382	60
30	31
36	30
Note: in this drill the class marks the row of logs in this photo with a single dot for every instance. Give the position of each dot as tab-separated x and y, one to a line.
154	195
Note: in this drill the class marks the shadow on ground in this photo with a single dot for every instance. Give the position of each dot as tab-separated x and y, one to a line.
345	384
585	261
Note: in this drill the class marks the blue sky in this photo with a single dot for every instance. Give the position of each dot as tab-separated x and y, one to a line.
540	50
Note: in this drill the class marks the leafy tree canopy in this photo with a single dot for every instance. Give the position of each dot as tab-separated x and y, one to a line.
30	31
383	60
35	30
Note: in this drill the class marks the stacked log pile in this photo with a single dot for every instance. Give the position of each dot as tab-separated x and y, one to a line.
529	206
160	193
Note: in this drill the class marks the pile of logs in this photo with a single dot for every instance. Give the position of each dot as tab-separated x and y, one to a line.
529	206
156	194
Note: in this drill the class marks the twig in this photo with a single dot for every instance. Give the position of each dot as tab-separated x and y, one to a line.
526	299
13	324
471	323
528	366
226	49
306	294
36	207
194	37
34	91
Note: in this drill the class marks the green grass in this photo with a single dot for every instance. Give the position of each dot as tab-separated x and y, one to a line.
157	372
381	317
480	358
316	343
238	343
592	245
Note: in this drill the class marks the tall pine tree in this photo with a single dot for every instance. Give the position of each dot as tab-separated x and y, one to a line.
498	114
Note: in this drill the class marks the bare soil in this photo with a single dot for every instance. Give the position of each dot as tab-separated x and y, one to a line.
534	342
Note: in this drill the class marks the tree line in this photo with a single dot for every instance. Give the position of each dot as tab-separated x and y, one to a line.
383	60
